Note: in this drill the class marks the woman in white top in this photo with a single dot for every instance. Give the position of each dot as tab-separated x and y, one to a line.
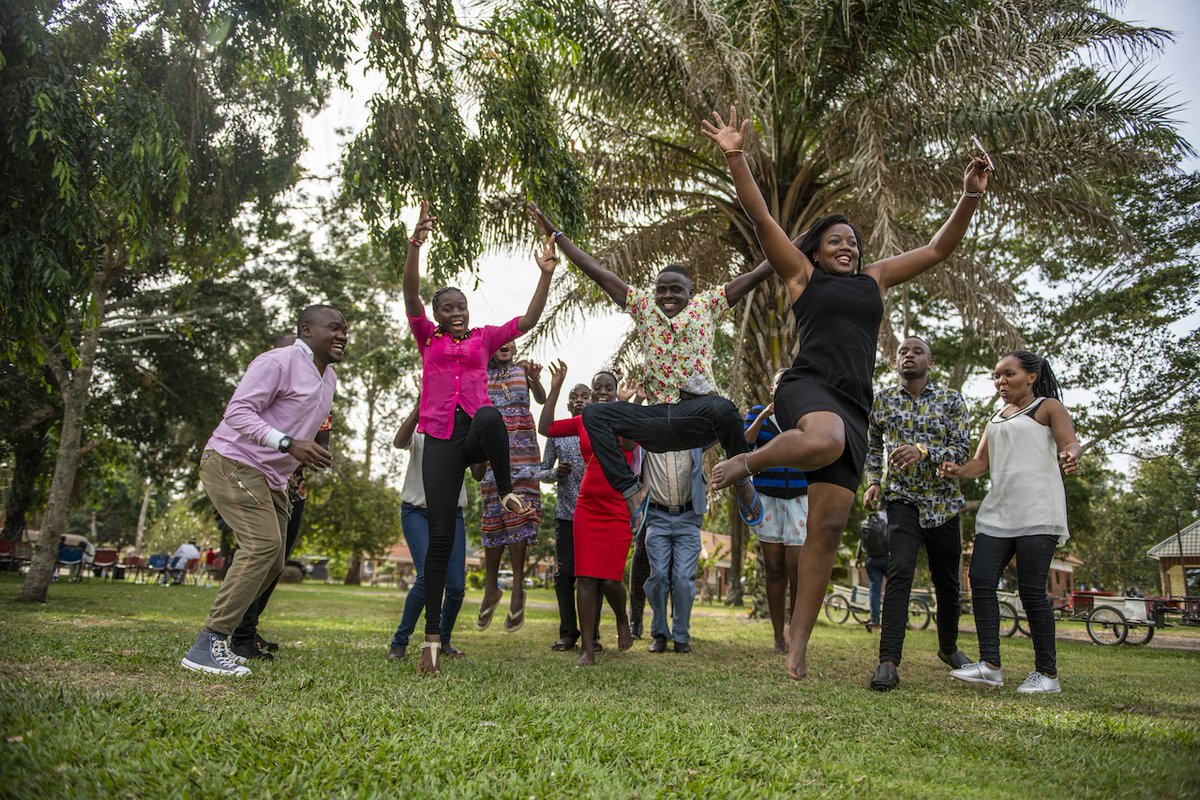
1024	513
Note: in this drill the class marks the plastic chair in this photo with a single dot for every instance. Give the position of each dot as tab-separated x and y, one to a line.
157	566
8	559
133	567
104	561
70	557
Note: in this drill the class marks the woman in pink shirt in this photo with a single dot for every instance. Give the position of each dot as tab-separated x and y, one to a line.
460	424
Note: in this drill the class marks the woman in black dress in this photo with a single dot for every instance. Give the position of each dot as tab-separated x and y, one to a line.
824	399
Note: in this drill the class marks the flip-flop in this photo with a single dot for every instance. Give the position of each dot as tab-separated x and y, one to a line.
748	513
643	515
485	614
514	622
435	649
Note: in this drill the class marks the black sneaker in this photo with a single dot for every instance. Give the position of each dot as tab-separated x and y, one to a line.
683	647
264	645
956	660
250	651
885	678
398	652
658	644
636	629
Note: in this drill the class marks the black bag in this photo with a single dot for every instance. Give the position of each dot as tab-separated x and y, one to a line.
874	536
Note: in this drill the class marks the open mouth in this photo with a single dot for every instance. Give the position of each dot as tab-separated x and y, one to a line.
844	261
337	349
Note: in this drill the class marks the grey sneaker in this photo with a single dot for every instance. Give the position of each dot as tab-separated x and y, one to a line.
211	654
1037	683
979	672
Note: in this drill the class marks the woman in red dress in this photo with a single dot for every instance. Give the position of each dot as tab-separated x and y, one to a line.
602	534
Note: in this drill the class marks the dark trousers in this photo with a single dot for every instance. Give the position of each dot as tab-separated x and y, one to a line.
474	439
662	428
247	629
943	545
639	573
1033	554
564	582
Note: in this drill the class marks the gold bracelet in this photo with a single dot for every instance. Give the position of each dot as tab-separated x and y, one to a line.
728	153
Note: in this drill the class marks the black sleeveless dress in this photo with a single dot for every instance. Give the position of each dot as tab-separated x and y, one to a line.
838	317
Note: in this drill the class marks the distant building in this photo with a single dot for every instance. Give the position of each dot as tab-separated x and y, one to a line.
1178	558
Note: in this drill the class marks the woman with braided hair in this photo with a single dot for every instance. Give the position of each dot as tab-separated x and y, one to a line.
460	424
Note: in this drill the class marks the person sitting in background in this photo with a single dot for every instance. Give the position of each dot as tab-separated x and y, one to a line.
178	564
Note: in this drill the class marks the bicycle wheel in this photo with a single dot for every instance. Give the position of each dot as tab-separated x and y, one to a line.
918	614
1008	619
1139	634
837	608
1106	625
861	615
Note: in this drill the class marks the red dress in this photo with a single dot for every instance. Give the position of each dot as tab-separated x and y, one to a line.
602	535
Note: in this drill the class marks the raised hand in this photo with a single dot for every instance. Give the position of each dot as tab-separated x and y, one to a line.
544	225
533	370
729	136
547	260
627	390
558	373
425	224
975	176
948	469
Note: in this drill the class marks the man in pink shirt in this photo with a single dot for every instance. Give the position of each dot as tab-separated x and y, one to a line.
268	430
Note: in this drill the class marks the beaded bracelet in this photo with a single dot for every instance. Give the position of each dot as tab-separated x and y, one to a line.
972	194
414	241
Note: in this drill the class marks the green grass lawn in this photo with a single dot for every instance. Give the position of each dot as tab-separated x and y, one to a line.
93	703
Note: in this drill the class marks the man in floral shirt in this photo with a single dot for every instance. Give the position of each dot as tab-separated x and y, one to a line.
675	327
920	425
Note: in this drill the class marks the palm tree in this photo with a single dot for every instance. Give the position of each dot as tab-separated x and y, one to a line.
861	106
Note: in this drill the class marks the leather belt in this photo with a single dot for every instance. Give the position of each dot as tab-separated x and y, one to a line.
672	509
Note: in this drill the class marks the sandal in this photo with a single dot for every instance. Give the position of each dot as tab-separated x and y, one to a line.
753	513
514	622
485	614
513	503
643	515
563	645
435	649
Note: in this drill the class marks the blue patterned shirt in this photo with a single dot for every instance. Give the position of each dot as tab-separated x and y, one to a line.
936	418
565	450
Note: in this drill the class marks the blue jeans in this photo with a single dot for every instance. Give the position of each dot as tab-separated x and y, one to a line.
415	523
876	570
673	547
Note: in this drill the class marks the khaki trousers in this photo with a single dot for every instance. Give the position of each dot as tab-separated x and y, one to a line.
259	519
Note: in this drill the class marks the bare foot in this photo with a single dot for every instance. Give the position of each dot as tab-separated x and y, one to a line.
797	661
587	659
729	472
781	644
624	637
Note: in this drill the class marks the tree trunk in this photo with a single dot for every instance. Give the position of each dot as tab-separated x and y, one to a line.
75	385
354	570
141	523
737	549
28	449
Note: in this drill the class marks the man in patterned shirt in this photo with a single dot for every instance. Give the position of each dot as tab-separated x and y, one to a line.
675	327
920	425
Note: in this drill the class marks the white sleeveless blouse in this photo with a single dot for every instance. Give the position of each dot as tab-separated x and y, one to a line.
1027	497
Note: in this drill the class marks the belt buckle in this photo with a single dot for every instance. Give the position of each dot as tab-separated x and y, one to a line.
675	509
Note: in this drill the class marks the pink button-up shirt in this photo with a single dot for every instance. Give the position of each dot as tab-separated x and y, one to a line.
454	371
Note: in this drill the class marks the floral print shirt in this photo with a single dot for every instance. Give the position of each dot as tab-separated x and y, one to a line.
937	418
678	350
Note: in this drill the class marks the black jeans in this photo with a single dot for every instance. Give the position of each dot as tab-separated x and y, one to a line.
1033	554
943	545
639	573
474	439
247	629
662	428
564	582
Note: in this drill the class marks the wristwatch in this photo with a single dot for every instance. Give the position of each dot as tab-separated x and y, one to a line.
923	450
285	443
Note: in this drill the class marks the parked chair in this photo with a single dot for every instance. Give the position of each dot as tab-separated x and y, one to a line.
212	572
191	571
133	566
157	566
8	559
23	553
70	557
104	561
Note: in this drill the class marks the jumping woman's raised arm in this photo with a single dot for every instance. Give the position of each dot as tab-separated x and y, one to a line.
906	266
612	284
412	262
546	262
788	262
558	373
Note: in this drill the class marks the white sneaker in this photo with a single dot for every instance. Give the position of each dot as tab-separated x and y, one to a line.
1037	682
979	672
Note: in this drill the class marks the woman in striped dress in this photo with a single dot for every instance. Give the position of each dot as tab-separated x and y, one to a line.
510	383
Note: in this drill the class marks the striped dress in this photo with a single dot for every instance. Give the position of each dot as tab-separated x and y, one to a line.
509	392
